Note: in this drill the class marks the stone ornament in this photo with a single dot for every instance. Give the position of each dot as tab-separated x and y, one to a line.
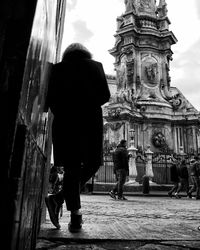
129	5
114	112
158	139
150	71
148	6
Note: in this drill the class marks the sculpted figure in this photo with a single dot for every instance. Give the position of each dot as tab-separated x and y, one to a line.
145	3
151	71
130	5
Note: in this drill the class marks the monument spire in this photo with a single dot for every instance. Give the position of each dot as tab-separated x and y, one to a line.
143	52
142	98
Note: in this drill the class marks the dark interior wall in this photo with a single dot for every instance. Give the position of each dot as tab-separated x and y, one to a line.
16	19
15	24
30	39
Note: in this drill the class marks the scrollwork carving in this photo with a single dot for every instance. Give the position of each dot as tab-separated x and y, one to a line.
114	112
176	101
116	126
127	50
123	95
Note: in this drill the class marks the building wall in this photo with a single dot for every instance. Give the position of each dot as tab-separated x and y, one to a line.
29	45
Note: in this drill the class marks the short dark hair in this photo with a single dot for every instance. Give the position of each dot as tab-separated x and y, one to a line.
76	50
122	141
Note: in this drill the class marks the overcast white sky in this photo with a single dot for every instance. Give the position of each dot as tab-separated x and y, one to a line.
93	23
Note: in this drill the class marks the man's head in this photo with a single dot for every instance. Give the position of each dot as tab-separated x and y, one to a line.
123	143
76	50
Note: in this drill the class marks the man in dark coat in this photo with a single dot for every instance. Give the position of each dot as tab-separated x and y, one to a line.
77	90
174	178
183	176
121	167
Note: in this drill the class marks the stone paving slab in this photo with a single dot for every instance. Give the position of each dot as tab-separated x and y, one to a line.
137	219
117	245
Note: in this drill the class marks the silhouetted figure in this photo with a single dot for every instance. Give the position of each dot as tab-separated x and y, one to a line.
183	179
77	90
121	167
174	178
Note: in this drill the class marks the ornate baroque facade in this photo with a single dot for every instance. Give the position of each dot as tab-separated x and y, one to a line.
142	96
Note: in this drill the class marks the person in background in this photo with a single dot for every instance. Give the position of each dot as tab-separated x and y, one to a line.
174	178
77	90
121	167
183	176
195	178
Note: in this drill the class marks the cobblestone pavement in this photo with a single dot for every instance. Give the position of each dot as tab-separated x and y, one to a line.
138	223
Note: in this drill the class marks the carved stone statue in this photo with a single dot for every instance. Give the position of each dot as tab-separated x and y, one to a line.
145	3
158	139
151	71
162	9
130	5
148	6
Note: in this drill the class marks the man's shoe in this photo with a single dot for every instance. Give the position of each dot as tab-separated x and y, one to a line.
53	209
189	196
122	198
75	224
197	198
177	196
112	195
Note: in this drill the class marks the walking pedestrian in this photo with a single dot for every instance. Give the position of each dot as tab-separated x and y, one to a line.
195	178
183	176
77	131
121	167
174	178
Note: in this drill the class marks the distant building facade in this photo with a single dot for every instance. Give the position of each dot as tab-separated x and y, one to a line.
142	98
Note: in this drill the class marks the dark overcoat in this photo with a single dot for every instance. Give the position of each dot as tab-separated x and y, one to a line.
174	173
77	90
120	158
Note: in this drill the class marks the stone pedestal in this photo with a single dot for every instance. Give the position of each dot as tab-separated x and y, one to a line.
149	170
132	163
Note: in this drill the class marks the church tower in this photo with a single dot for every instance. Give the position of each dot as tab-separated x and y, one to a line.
143	99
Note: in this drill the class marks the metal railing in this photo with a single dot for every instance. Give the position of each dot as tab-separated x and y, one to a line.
161	164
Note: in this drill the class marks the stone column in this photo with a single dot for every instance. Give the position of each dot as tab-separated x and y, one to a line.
149	170
194	139
181	150
182	153
132	163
